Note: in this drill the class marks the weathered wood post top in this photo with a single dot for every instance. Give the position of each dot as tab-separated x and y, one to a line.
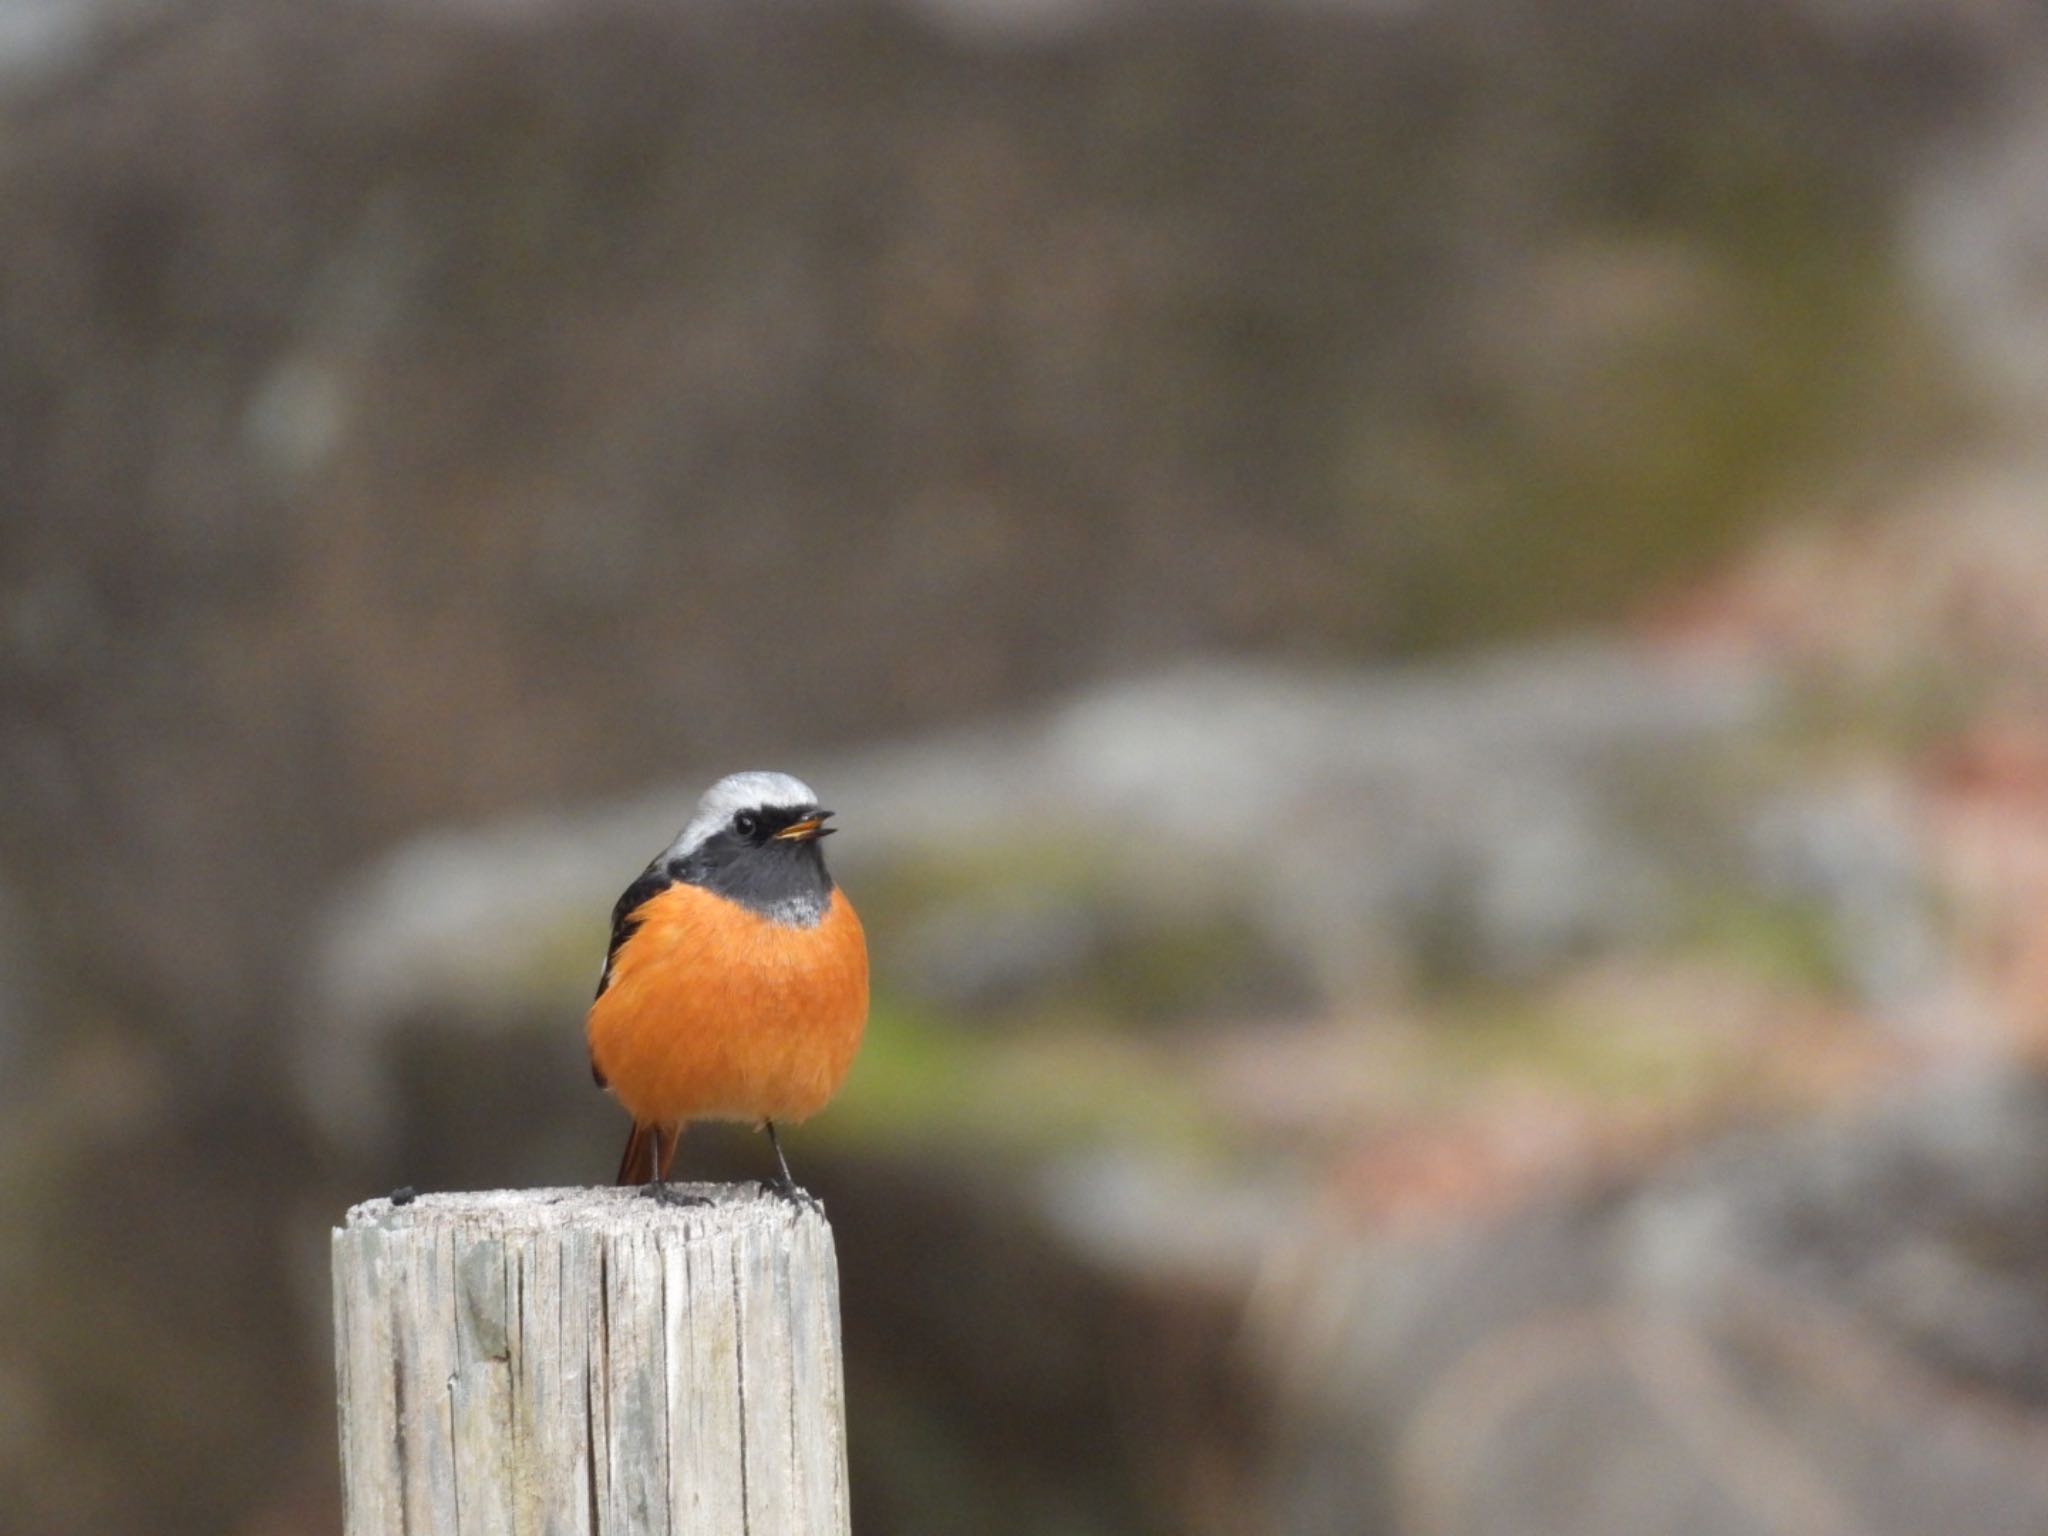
590	1362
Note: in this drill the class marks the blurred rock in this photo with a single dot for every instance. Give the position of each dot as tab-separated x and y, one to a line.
1490	819
1831	1328
488	932
972	963
1853	853
1914	632
1909	607
1860	1212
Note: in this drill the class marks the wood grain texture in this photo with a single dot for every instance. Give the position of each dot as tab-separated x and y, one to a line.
589	1363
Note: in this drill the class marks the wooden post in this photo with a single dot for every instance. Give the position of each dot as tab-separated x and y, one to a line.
573	1362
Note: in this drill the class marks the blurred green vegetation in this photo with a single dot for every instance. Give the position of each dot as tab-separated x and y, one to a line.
1032	1086
1505	1040
1790	943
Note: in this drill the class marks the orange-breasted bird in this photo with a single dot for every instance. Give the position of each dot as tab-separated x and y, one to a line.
736	987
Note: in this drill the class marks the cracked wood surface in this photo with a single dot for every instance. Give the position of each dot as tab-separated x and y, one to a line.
571	1362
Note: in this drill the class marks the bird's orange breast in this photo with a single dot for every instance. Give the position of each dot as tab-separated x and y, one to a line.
716	1012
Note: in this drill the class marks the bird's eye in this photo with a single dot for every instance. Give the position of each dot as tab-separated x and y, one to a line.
746	823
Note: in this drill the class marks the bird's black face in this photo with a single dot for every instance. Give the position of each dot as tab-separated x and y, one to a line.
766	857
765	824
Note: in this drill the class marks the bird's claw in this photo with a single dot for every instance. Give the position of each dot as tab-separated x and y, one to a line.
668	1194
791	1191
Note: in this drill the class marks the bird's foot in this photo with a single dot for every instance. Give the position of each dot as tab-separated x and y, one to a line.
664	1193
785	1188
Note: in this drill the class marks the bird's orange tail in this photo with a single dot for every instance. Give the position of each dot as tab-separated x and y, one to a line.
641	1165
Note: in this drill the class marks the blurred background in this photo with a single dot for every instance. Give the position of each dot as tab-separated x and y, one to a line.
1428	620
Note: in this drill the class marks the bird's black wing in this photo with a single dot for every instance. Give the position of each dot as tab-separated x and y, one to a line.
654	879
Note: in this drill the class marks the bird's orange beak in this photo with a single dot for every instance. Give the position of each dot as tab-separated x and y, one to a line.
809	830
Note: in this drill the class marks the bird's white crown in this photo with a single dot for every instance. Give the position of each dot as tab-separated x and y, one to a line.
738	792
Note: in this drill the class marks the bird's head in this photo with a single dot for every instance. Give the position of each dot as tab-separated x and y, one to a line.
755	837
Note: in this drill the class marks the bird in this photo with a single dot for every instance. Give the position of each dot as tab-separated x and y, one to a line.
736	985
